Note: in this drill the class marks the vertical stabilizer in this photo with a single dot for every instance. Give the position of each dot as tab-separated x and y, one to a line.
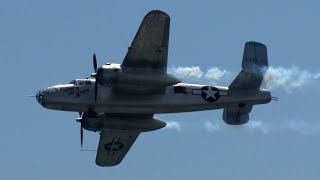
254	65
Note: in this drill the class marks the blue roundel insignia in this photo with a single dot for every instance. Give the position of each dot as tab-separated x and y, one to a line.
113	146
210	94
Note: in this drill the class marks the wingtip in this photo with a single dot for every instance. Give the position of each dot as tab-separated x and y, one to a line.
255	43
102	164
157	12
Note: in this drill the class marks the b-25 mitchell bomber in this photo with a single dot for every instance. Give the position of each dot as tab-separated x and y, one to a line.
120	100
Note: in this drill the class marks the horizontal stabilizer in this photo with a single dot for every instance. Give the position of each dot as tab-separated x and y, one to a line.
254	65
237	115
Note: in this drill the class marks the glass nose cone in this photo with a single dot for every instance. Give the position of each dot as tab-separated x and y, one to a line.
39	96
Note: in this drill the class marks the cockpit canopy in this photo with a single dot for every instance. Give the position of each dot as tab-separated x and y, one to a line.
81	82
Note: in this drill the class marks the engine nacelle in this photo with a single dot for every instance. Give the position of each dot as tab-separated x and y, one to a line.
142	123
108	74
113	75
92	121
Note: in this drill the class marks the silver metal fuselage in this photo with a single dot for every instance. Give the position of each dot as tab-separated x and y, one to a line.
80	98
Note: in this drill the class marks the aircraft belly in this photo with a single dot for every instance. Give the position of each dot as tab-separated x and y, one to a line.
178	102
156	104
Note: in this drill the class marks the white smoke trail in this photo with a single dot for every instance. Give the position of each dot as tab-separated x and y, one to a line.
287	79
256	126
215	74
211	127
252	126
173	125
193	72
260	126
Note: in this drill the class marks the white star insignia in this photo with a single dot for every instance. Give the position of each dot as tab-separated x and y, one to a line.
114	146
210	93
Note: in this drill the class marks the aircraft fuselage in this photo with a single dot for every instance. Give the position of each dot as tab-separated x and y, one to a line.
181	97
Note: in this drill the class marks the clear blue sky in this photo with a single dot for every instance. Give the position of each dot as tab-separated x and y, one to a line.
43	43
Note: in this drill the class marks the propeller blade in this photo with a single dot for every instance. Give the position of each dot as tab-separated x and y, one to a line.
94	62
95	91
81	133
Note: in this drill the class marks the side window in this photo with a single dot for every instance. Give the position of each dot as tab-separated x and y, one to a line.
83	82
180	89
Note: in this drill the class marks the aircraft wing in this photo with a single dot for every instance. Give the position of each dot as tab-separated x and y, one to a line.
114	145
149	49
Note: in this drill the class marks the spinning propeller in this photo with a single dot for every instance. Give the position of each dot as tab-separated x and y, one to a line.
96	76
81	120
83	115
94	62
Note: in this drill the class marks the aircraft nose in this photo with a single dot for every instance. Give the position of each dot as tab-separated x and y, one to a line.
39	96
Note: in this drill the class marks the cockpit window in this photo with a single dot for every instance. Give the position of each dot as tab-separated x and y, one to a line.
72	82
